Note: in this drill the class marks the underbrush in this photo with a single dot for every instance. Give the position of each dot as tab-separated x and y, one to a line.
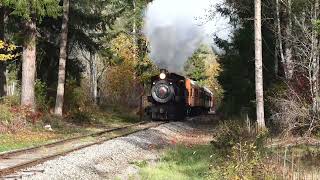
243	152
15	119
296	162
291	111
21	128
103	116
234	154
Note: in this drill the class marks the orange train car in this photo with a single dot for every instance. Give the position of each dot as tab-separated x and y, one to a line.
199	99
173	97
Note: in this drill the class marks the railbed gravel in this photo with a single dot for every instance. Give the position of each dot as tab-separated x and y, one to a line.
112	159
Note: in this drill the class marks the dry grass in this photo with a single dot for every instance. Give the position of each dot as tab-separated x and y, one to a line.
25	138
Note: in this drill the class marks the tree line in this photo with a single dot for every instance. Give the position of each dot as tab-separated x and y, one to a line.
45	39
290	43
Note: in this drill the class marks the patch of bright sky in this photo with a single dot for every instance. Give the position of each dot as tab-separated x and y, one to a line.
216	24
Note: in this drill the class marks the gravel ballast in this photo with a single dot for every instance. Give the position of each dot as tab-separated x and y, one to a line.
115	159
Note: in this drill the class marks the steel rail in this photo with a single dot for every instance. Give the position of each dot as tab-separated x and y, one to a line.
12	169
5	155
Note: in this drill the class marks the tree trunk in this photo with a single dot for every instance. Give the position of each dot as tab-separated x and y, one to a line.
134	31
315	61
93	78
3	78
258	64
29	65
62	59
289	66
279	33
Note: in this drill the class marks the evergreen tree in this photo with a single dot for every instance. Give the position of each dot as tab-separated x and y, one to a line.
31	12
195	67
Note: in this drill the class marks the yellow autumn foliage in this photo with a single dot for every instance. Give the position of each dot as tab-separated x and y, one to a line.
124	48
122	86
213	70
6	51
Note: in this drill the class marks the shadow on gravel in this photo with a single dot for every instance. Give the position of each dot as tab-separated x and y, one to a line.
149	140
164	135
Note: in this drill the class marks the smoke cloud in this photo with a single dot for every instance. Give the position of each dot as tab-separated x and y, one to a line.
173	33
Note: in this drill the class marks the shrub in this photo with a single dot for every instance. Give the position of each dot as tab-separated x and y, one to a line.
12	101
11	120
6	116
245	161
76	97
290	111
242	152
41	95
230	133
81	117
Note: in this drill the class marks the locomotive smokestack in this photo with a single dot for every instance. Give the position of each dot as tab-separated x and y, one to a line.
164	71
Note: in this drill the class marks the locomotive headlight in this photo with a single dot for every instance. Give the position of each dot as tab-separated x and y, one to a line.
163	76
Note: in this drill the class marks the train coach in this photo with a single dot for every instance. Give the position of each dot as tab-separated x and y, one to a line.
173	97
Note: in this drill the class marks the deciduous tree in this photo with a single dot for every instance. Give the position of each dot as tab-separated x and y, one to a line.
258	62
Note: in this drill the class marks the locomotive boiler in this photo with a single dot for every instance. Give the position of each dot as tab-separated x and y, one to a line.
173	97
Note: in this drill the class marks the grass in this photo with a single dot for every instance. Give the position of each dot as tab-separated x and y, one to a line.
82	123
25	139
182	163
235	154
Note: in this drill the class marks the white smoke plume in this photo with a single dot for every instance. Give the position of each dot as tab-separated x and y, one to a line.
173	33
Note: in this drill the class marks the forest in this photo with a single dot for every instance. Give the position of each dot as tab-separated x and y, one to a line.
72	64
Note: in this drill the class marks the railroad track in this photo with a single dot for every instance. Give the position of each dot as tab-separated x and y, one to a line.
13	161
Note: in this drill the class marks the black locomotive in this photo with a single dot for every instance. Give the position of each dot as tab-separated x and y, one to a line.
173	97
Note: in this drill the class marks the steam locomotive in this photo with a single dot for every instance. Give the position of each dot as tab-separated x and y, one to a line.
173	97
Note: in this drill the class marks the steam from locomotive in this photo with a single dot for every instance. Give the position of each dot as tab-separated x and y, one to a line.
173	34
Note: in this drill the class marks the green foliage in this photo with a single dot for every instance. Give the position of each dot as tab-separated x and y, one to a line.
11	101
317	24
182	163
81	117
238	75
39	8
195	67
229	134
242	153
76	98
244	162
6	116
41	95
204	68
237	60
237	78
